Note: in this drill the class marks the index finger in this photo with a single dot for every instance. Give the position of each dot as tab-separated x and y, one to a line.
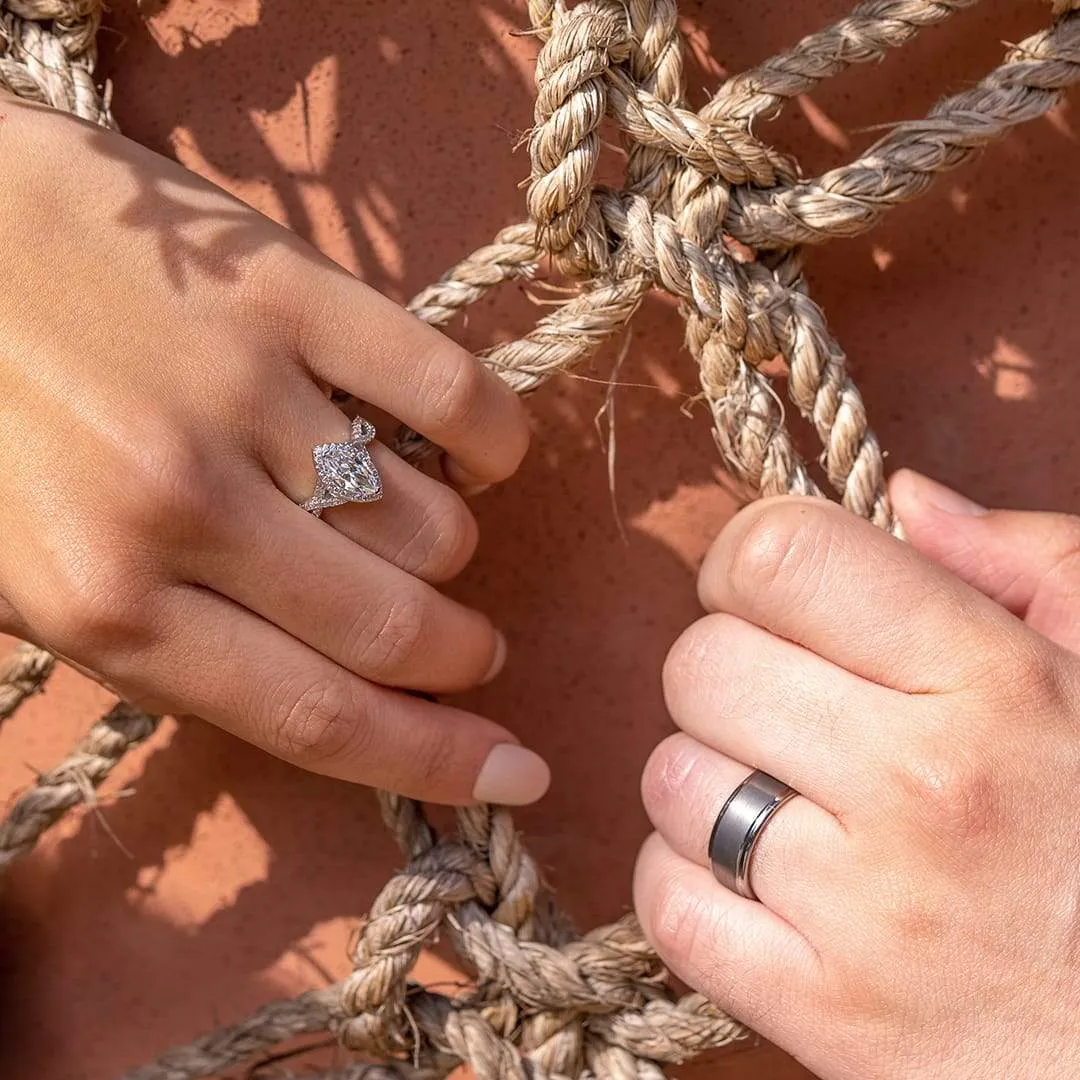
814	573
363	343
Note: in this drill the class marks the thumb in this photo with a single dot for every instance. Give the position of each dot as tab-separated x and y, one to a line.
1028	562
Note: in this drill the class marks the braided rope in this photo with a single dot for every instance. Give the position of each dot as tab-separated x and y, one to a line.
23	674
715	217
73	781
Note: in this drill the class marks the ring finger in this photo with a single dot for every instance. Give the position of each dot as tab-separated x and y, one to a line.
776	706
420	525
797	856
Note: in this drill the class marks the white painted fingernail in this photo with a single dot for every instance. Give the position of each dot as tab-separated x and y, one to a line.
498	661
512	776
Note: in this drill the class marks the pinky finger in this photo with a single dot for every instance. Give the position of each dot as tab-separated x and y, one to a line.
738	953
220	662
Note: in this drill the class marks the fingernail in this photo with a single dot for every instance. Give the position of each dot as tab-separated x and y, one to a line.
946	500
512	776
498	661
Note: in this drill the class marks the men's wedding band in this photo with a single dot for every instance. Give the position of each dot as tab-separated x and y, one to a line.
739	826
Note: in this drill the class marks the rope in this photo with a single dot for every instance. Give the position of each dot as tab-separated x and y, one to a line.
714	216
74	780
23	674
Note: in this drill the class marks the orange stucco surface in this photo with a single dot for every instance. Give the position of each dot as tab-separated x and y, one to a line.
212	878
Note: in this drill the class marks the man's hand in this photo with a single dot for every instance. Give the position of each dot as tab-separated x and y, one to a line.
919	911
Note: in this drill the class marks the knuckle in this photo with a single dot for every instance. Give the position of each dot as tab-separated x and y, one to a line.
314	723
783	548
708	660
671	767
456	389
682	664
179	487
953	795
907	914
258	278
100	609
273	289
445	540
702	939
1028	679
693	653
386	643
682	920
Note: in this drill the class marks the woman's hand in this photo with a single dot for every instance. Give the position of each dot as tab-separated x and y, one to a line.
165	353
919	911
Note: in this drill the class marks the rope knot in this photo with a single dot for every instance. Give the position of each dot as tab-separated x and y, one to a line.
48	52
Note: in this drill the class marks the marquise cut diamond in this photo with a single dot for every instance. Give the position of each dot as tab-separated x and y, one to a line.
346	471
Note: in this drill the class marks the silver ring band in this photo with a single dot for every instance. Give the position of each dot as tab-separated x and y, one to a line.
739	826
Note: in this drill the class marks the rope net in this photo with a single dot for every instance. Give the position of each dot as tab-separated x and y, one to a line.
717	218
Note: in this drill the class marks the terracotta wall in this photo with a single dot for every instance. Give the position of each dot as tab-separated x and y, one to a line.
213	878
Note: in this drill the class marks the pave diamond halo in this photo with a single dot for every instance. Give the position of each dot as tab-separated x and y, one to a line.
345	471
